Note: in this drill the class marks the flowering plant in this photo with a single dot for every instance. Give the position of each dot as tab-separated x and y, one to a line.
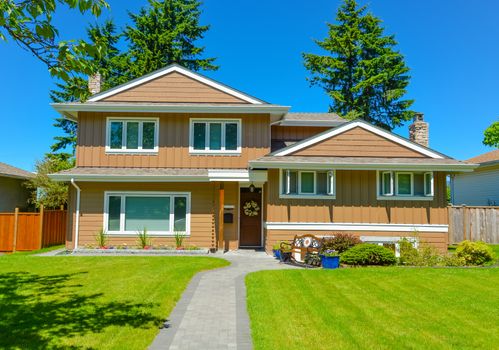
330	252
251	208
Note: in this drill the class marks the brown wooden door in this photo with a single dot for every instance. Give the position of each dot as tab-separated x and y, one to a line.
250	234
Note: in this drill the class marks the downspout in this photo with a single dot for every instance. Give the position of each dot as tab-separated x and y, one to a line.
77	224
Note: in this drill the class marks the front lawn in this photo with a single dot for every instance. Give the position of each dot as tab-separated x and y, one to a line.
375	308
90	302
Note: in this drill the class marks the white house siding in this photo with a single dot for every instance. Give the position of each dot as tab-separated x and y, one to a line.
480	187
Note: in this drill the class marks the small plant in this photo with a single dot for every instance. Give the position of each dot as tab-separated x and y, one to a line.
277	246
179	239
312	259
368	254
475	253
143	239
101	239
192	247
341	242
330	252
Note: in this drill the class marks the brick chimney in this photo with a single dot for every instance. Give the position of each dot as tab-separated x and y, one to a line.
94	83
419	130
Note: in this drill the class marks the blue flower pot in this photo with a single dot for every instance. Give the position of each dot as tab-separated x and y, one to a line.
330	262
277	253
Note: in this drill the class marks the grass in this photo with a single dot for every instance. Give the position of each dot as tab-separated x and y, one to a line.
39	251
374	308
90	302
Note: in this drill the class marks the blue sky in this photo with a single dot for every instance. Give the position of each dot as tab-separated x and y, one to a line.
451	46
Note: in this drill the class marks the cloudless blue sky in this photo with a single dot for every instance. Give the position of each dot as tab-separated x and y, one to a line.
451	46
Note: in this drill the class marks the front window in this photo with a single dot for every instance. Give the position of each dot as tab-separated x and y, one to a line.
314	183
165	213
215	136
131	135
405	184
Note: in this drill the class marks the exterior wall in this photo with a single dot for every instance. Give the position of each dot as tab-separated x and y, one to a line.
480	187
173	142
174	88
12	194
358	142
295	133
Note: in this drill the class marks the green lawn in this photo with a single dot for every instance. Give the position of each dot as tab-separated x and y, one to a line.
90	302
375	308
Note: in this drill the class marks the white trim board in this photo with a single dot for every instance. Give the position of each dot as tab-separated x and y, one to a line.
343	128
321	226
170	69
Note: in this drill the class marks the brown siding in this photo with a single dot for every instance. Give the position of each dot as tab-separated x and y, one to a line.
173	142
356	203
174	87
295	133
358	142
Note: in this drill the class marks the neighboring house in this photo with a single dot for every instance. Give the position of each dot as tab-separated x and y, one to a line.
176	151
13	194
480	187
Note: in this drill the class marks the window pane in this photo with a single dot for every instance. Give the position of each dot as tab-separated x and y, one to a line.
404	184
116	135
293	182
132	135
387	183
307	182
231	136
148	135
152	213
199	135
322	182
180	212
114	210
428	189
418	185
215	136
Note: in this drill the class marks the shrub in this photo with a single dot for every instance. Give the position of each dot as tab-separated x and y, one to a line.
368	254
475	253
179	238
341	242
143	239
426	255
277	246
101	238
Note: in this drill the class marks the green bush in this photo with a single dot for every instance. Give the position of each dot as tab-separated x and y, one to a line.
426	255
277	246
368	254
475	253
341	242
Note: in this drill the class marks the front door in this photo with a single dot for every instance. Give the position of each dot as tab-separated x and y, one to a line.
250	214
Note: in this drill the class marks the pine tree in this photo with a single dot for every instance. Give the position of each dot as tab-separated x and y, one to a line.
166	32
362	73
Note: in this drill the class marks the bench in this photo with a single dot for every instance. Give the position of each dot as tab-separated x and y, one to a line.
303	250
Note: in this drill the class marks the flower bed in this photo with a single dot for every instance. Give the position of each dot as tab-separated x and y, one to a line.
133	251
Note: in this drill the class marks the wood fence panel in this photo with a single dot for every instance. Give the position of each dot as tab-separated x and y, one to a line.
474	223
6	232
28	231
54	227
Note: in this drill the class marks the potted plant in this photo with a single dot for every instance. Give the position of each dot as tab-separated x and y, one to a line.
276	249
330	259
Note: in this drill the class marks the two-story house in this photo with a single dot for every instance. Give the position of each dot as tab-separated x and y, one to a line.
176	151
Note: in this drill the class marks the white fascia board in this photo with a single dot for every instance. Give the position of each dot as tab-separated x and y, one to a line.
320	226
180	70
122	178
341	129
237	175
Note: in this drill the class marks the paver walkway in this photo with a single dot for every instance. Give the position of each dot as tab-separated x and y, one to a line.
212	311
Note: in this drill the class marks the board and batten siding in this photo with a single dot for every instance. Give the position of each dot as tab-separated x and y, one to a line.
173	142
481	187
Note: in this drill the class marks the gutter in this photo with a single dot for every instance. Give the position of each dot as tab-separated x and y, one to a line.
77	224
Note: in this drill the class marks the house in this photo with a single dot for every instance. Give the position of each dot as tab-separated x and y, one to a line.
176	151
480	187
13	193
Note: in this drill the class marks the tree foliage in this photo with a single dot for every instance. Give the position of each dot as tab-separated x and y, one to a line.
361	71
491	135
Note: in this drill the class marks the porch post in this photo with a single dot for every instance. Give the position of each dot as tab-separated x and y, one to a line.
221	244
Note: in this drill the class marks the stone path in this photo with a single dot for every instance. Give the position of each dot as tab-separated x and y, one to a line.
212	311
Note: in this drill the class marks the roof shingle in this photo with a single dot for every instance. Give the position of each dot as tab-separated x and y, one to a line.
10	171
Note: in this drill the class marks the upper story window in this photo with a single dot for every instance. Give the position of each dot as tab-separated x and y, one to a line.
405	185
132	135
215	136
308	184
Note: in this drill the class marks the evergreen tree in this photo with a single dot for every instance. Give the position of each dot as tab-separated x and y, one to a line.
166	32
362	72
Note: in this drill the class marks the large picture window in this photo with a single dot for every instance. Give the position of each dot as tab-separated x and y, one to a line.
159	213
400	185
132	135
215	136
308	183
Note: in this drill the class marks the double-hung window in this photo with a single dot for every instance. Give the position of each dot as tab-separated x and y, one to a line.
132	135
308	183
158	213
404	184
215	136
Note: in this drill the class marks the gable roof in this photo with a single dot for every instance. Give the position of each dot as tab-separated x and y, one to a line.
358	124
489	157
179	69
10	171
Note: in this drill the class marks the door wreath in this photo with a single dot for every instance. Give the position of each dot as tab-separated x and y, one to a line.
251	208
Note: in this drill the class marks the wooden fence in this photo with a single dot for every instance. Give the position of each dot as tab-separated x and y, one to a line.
31	231
474	224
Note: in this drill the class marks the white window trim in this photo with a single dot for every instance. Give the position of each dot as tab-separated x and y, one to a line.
432	189
284	176
401	197
124	194
389	194
331	183
397	183
206	150
123	149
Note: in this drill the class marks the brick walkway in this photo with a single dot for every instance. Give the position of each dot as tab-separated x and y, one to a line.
212	311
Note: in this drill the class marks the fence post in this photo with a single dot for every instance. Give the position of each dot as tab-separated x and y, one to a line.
464	222
16	219
41	226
